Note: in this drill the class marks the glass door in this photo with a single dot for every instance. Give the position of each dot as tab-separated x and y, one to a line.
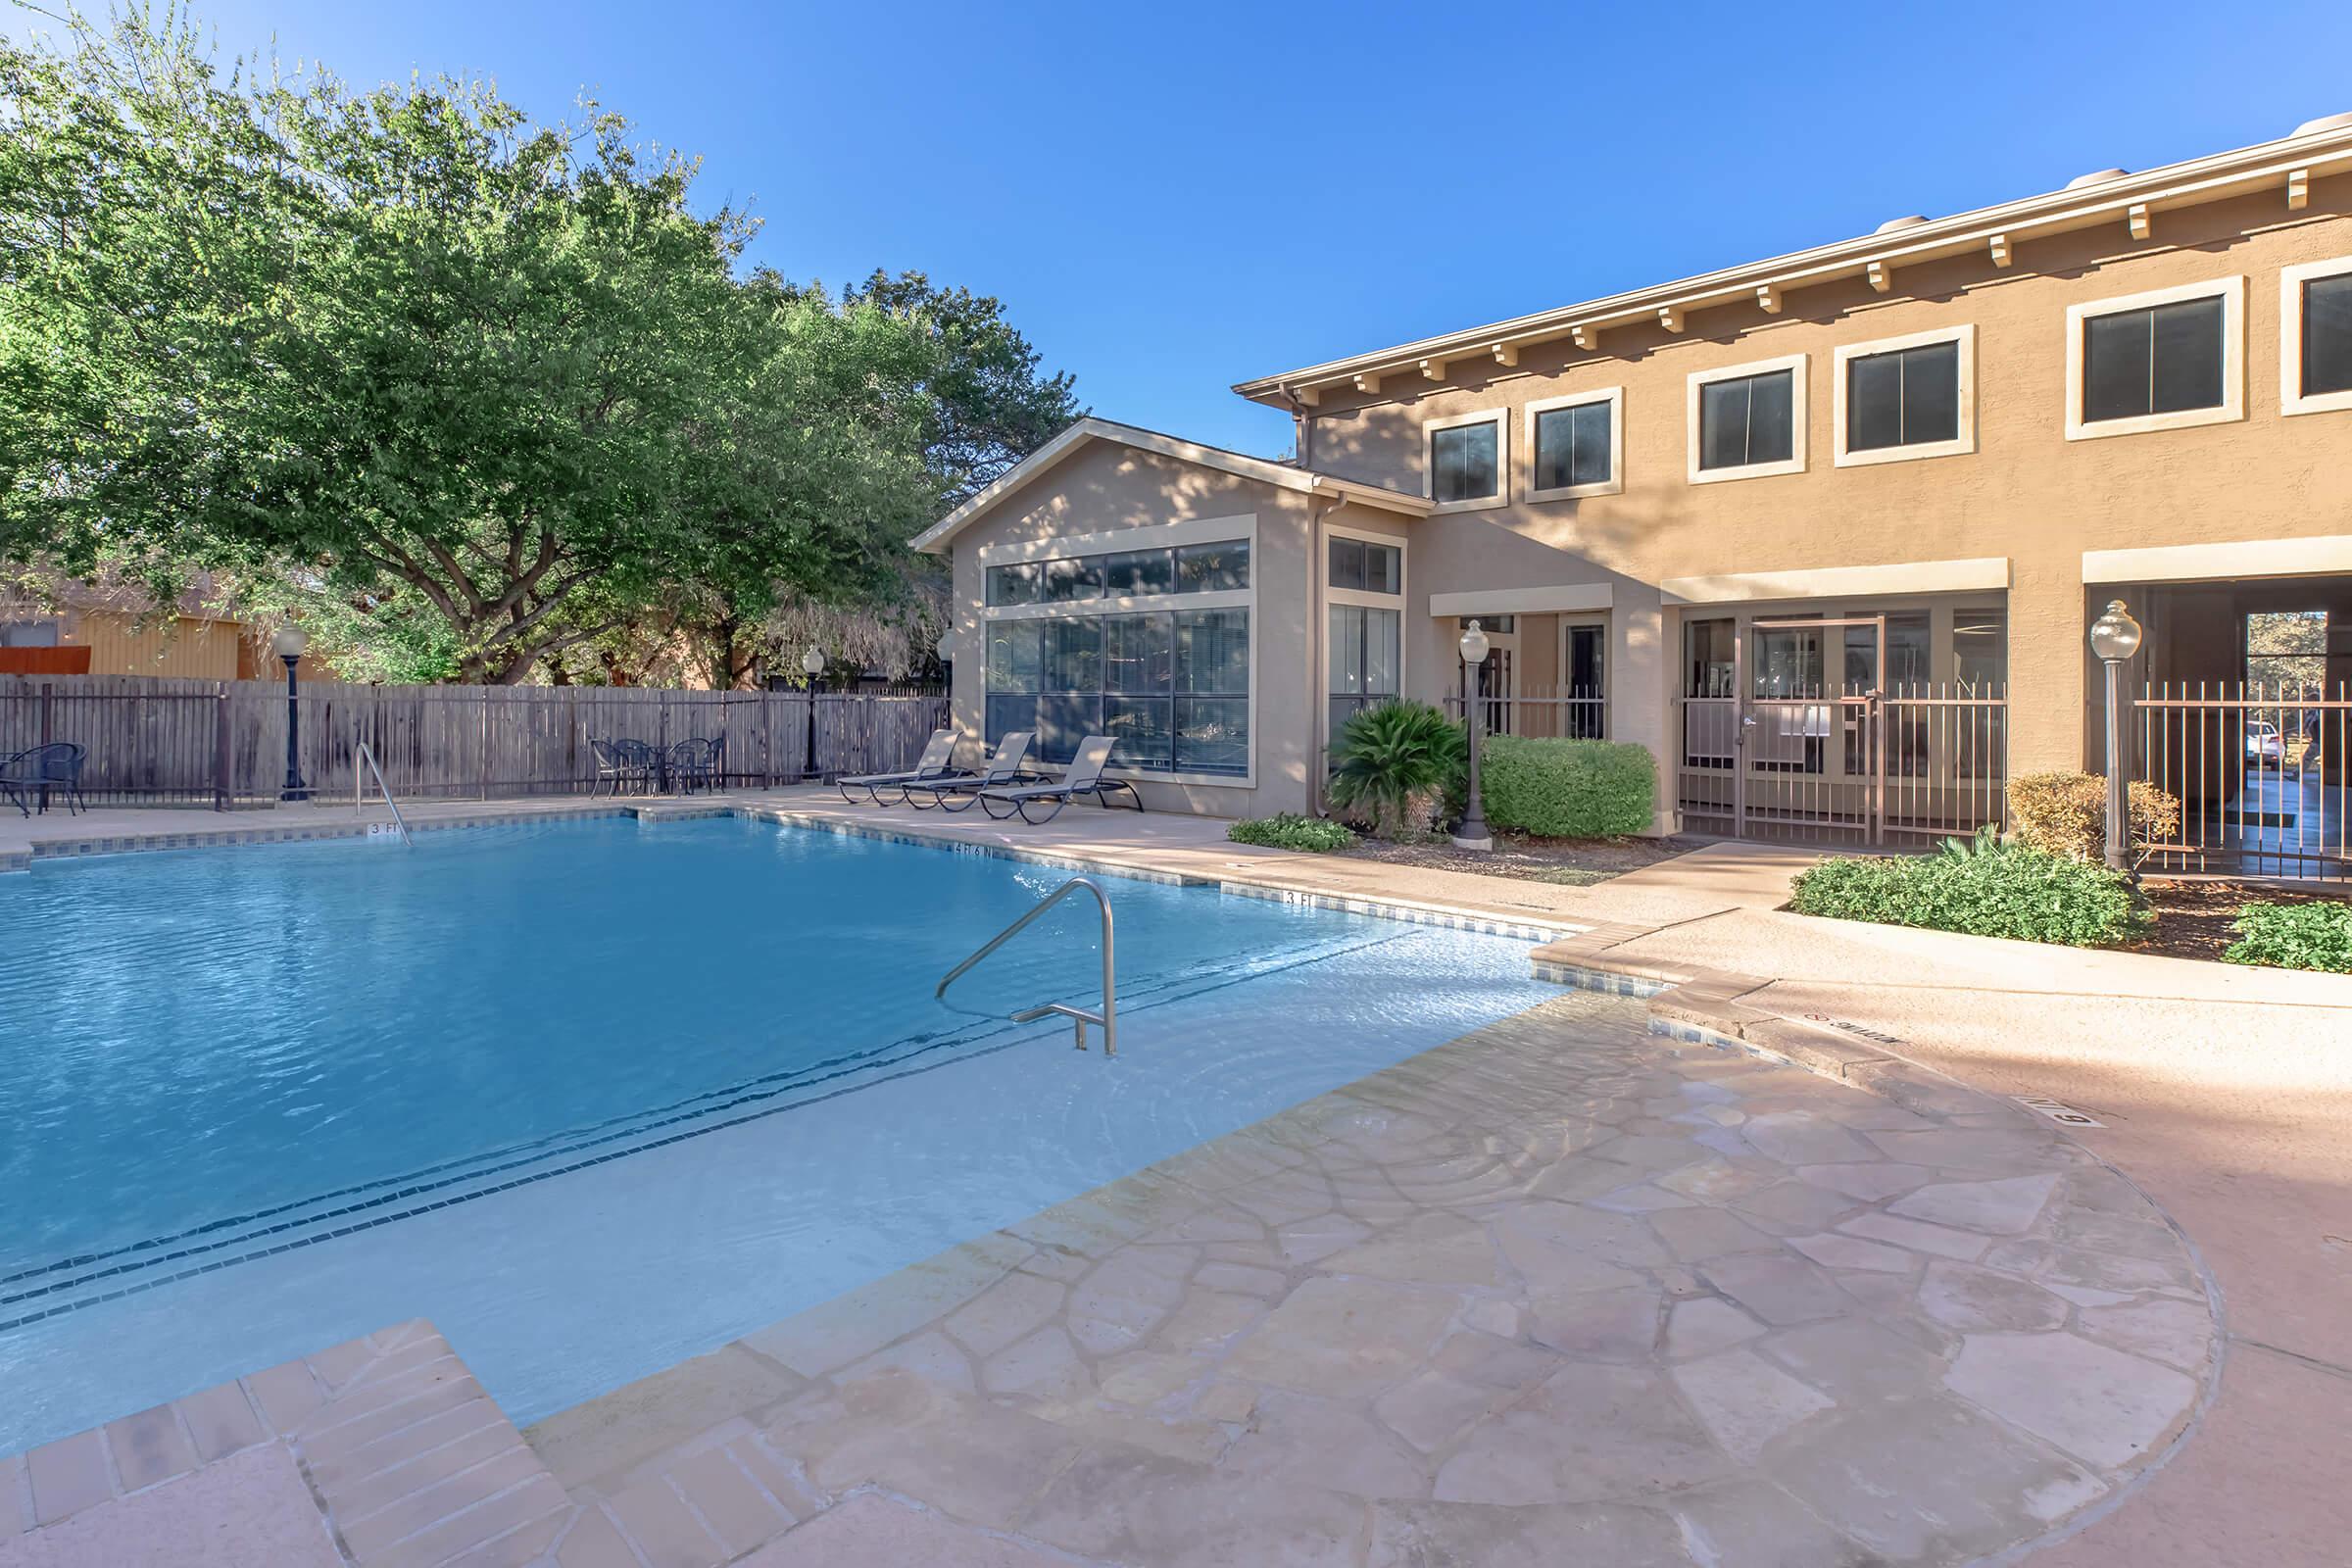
1811	735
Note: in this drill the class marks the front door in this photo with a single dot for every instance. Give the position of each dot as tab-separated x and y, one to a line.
1810	744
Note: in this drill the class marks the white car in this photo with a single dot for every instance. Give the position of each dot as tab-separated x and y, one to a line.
2264	746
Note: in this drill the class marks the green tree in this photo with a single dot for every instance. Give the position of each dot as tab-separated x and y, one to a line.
987	404
463	390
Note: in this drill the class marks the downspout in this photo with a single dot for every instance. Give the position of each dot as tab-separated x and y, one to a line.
1318	624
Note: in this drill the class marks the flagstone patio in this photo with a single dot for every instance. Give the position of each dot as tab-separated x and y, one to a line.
1560	1292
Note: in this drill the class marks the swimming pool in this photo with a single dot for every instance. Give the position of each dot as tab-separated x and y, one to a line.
598	1095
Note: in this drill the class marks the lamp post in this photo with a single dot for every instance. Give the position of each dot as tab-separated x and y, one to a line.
1471	833
2115	638
288	645
813	665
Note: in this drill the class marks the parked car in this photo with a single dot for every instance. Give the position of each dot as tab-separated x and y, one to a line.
2263	746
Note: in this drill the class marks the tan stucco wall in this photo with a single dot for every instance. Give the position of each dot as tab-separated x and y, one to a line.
2026	494
1104	488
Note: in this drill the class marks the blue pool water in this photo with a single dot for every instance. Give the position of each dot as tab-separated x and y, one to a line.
598	1095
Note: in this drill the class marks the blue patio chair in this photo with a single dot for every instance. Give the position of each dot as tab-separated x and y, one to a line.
694	765
56	766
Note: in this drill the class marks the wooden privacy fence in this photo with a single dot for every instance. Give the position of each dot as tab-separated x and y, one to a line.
162	741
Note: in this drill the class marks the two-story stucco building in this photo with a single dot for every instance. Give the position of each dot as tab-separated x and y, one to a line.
1824	532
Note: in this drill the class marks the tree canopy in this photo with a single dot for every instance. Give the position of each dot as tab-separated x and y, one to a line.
465	391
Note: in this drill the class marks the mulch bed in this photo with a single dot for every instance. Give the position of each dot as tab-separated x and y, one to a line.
1568	862
2193	918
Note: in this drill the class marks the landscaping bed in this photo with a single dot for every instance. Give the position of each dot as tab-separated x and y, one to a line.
1567	863
2195	919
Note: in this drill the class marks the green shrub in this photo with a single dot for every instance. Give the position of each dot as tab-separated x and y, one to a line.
1392	765
2066	814
1566	789
1987	889
2295	936
1291	831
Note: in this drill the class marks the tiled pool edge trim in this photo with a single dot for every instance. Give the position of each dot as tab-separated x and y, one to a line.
62	848
1405	910
1710	1008
656	812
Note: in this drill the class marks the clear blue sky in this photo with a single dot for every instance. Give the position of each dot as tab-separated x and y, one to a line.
1173	197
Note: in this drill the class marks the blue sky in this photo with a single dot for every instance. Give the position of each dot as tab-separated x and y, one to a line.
1174	197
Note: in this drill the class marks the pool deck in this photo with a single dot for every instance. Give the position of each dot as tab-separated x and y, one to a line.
1429	1397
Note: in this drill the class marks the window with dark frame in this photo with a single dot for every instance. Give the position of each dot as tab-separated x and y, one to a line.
1572	446
1902	398
1747	420
1221	567
1366	660
2327	335
2165	359
1464	462
1588	683
1171	688
1361	566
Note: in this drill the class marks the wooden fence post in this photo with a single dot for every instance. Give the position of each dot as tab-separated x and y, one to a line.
485	743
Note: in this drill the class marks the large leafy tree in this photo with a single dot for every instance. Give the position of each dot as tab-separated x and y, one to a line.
988	405
465	391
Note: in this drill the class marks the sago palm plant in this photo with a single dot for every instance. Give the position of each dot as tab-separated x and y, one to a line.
1388	759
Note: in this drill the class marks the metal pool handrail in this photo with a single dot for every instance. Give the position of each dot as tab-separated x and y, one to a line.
1107	1020
368	755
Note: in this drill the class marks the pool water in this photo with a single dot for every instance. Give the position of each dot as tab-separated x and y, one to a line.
598	1095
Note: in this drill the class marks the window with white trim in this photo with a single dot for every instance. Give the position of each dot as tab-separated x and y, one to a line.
1748	422
1745	420
1901	398
2160	360
1365	638
1148	644
1465	459
2164	360
1170	688
2314	348
1575	445
1201	568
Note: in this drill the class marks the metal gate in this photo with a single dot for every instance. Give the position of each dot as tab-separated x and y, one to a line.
2259	770
1803	739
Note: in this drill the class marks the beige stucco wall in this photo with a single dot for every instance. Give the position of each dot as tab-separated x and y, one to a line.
1107	487
2026	492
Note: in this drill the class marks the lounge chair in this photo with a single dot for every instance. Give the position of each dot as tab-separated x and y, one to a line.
936	762
54	767
958	792
1083	779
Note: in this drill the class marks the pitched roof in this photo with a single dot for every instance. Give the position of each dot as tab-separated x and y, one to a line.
1075	439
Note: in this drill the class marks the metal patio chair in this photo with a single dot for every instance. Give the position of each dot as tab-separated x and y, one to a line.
627	766
43	768
694	765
